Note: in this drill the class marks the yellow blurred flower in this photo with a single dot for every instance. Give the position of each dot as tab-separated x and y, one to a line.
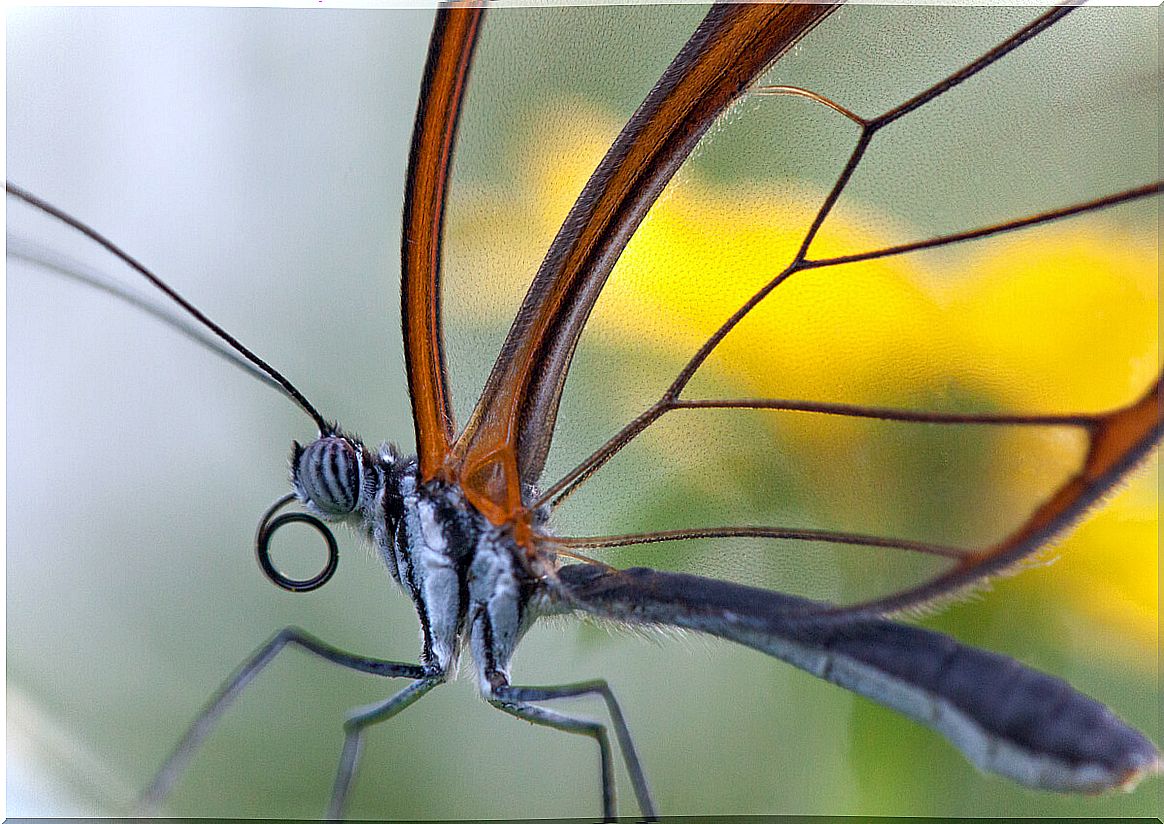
1071	311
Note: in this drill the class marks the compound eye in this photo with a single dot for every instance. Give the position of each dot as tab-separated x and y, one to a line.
327	473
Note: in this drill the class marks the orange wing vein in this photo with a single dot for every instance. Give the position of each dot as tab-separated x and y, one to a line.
433	138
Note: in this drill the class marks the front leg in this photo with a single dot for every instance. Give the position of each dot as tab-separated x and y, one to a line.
180	756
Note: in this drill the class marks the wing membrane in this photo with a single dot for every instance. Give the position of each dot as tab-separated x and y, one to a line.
965	392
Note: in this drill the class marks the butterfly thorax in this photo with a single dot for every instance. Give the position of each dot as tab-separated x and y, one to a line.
467	578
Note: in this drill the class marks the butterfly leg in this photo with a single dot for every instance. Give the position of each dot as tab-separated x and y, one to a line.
180	756
358	721
515	701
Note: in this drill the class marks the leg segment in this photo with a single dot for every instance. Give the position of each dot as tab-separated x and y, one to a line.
354	727
514	700
180	756
549	718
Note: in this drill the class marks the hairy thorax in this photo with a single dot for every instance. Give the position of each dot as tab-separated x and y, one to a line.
467	578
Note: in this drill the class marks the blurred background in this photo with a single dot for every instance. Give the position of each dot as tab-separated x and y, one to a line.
255	159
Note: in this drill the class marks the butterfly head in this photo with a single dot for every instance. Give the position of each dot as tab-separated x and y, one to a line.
333	476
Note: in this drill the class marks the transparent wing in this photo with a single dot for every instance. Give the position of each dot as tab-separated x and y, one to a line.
543	78
1017	328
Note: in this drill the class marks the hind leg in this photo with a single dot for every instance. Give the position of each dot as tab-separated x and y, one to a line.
516	701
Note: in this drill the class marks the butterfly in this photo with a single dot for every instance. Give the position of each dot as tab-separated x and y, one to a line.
414	338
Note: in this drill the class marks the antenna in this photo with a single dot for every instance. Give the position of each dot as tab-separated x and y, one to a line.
250	357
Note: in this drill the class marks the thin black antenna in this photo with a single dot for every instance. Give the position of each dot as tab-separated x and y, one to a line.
285	385
35	254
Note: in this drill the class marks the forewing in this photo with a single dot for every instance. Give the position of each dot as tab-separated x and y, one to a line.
505	442
1055	320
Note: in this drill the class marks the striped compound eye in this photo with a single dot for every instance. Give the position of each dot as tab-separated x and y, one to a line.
326	473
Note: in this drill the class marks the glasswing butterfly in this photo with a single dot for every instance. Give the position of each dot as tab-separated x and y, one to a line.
104	649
